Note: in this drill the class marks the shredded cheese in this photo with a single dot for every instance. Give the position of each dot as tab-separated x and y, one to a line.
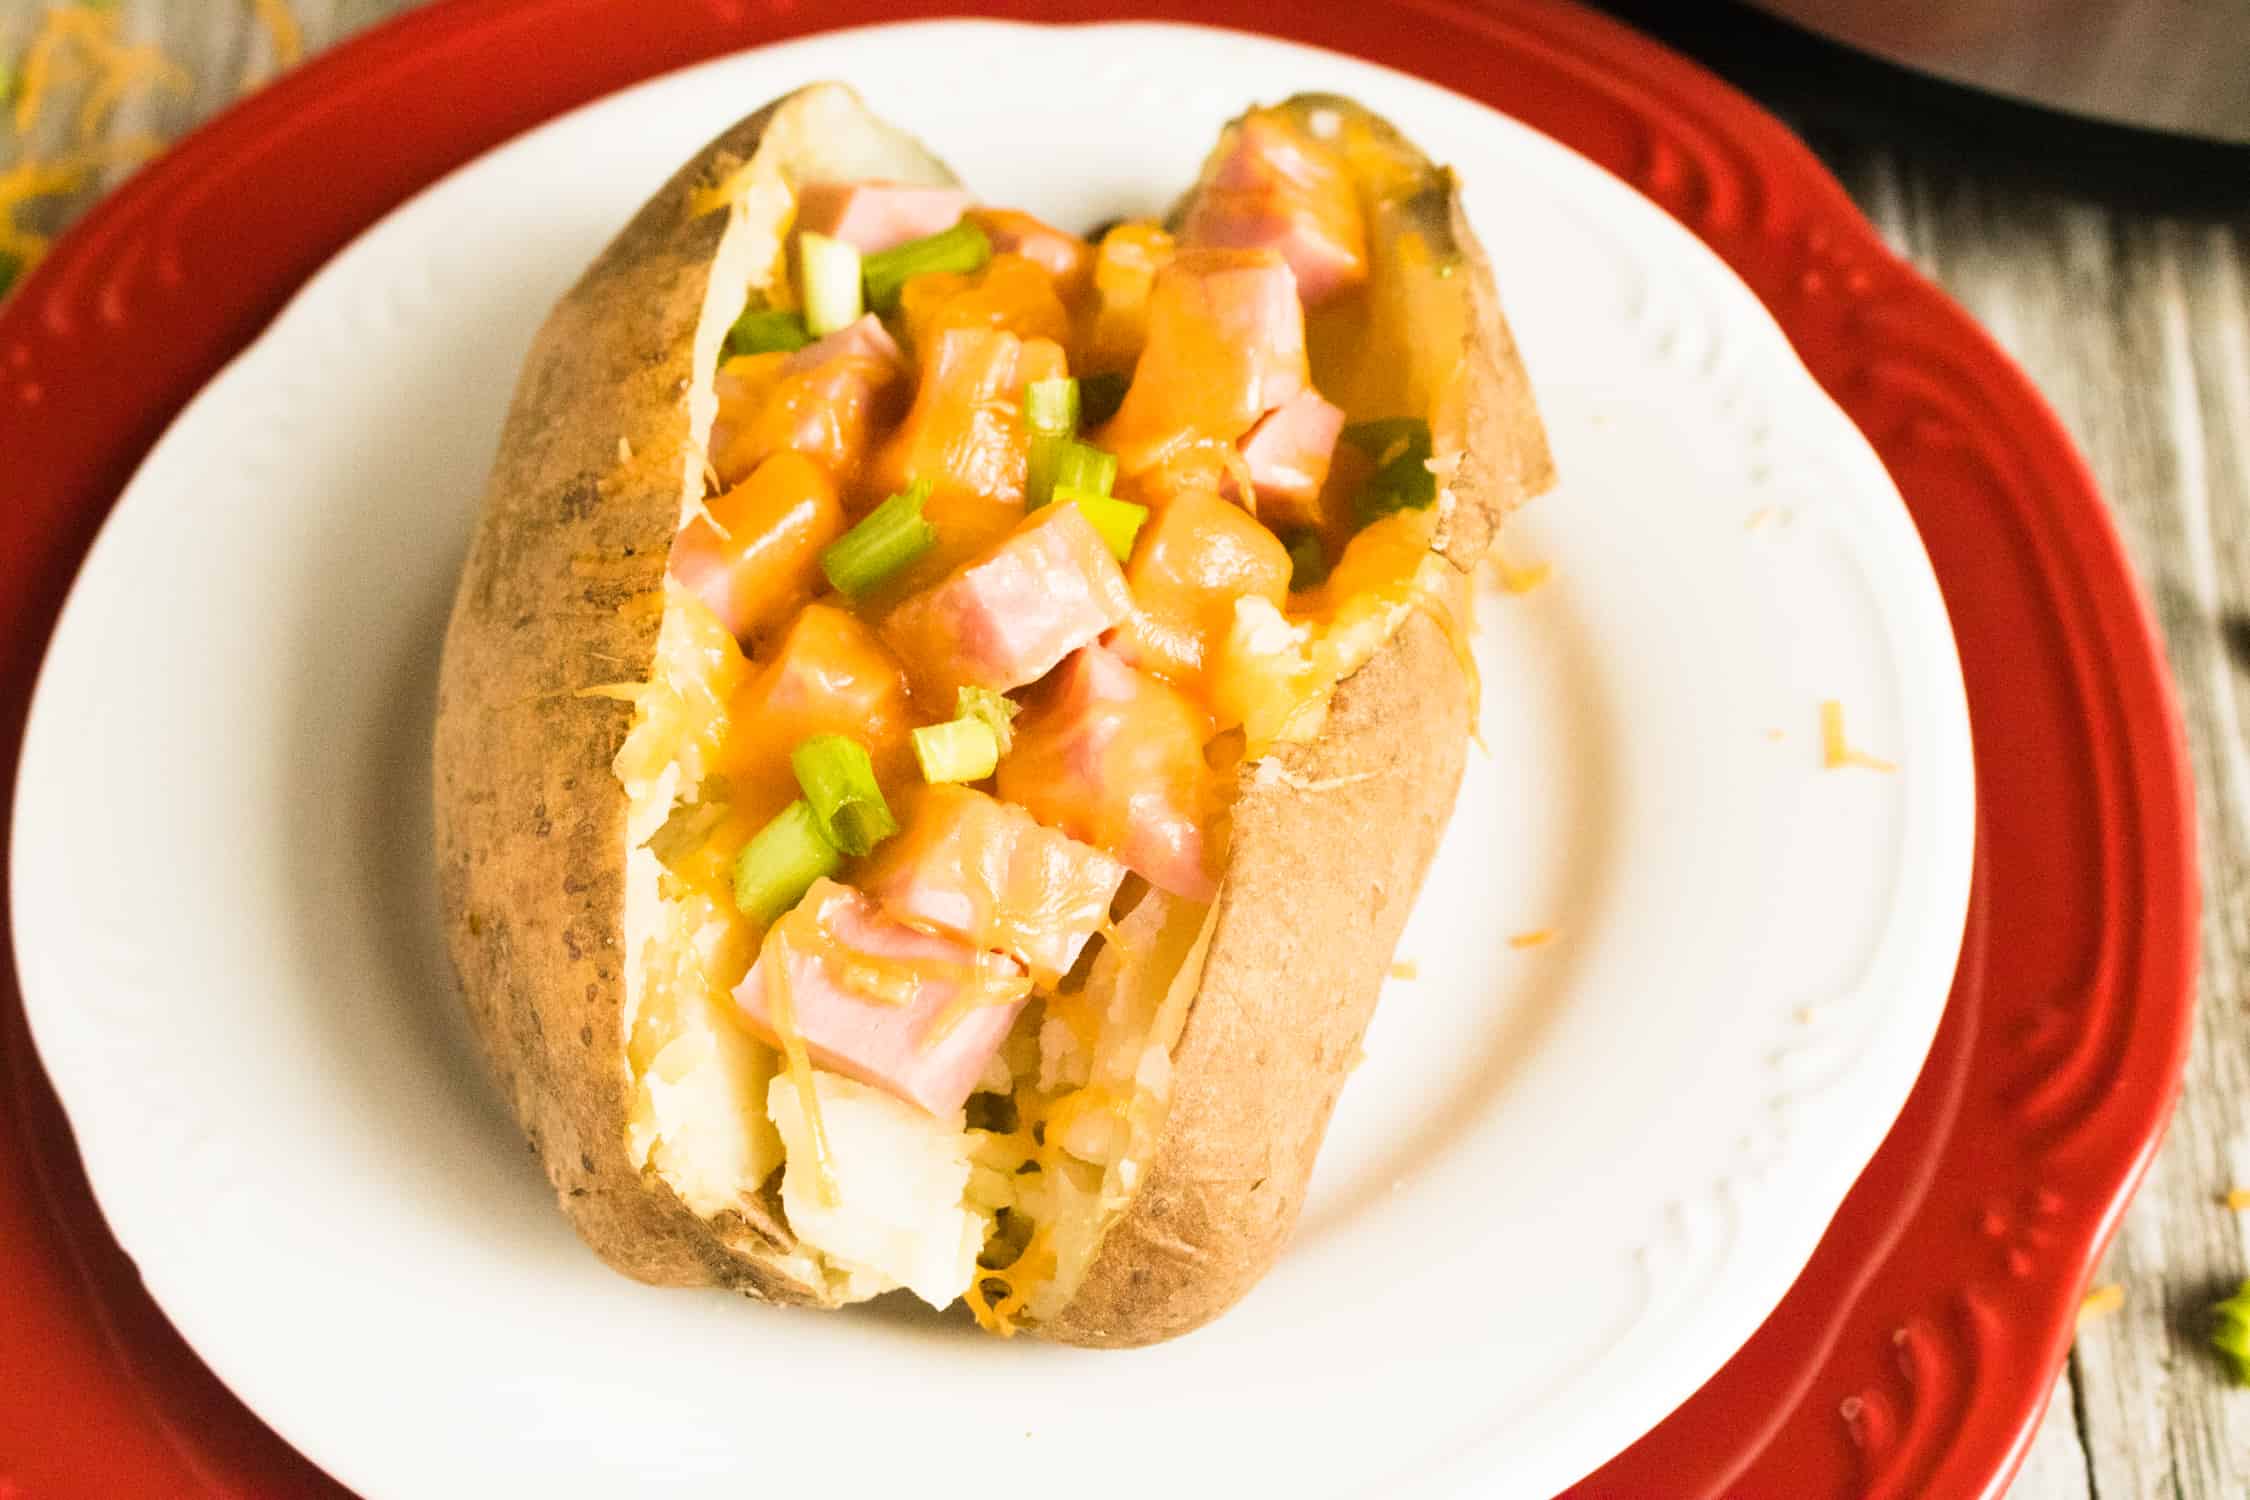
281	26
1405	968
73	43
2237	1199
1537	938
782	1011
2100	1301
1758	518
1522	580
1836	751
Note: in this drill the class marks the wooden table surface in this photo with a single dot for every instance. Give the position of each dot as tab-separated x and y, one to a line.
2117	270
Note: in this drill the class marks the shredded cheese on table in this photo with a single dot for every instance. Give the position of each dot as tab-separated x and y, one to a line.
2101	1300
281	27
1537	938
2237	1199
82	47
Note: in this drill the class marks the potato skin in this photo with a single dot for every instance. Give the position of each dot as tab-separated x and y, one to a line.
1277	1022
562	590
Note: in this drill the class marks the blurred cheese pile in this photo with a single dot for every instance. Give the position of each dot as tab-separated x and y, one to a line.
80	63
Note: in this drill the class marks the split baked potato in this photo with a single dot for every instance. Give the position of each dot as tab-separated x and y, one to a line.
659	939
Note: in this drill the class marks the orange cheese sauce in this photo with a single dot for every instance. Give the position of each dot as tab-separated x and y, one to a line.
1226	635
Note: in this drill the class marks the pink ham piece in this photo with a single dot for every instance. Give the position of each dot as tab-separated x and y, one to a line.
874	216
1287	454
1005	618
850	1029
1226	345
975	868
1271	187
865	339
1066	258
1114	757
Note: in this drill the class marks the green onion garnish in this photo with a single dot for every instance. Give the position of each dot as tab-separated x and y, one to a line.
957	750
11	266
1084	467
1308	563
963	248
1051	406
781	862
838	779
2230	1333
1119	521
830	272
1059	463
997	710
1400	447
888	538
766	330
1047	449
1099	396
1050	415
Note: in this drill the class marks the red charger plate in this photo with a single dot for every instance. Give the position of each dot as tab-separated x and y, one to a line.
1914	1356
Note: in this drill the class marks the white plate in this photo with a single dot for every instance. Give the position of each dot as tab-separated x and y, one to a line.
1568	1181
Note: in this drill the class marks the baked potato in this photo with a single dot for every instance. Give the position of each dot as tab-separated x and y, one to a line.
926	797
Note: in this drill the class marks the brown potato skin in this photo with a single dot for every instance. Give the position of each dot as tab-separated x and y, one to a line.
561	591
1276	1026
1277	1023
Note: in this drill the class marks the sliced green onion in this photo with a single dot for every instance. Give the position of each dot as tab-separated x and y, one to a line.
11	266
781	862
1400	447
1047	449
1051	406
1308	563
1084	467
888	538
1119	521
1099	396
957	750
767	330
997	710
830	273
962	248
1060	462
838	778
2230	1333
7	83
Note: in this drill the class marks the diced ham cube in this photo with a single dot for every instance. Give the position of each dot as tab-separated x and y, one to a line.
964	433
756	555
975	868
1271	186
873	216
1113	757
1287	454
1007	617
1226	345
1196	556
866	338
842	988
829	412
1065	257
828	675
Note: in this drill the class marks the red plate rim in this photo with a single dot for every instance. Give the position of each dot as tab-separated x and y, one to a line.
1914	1356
